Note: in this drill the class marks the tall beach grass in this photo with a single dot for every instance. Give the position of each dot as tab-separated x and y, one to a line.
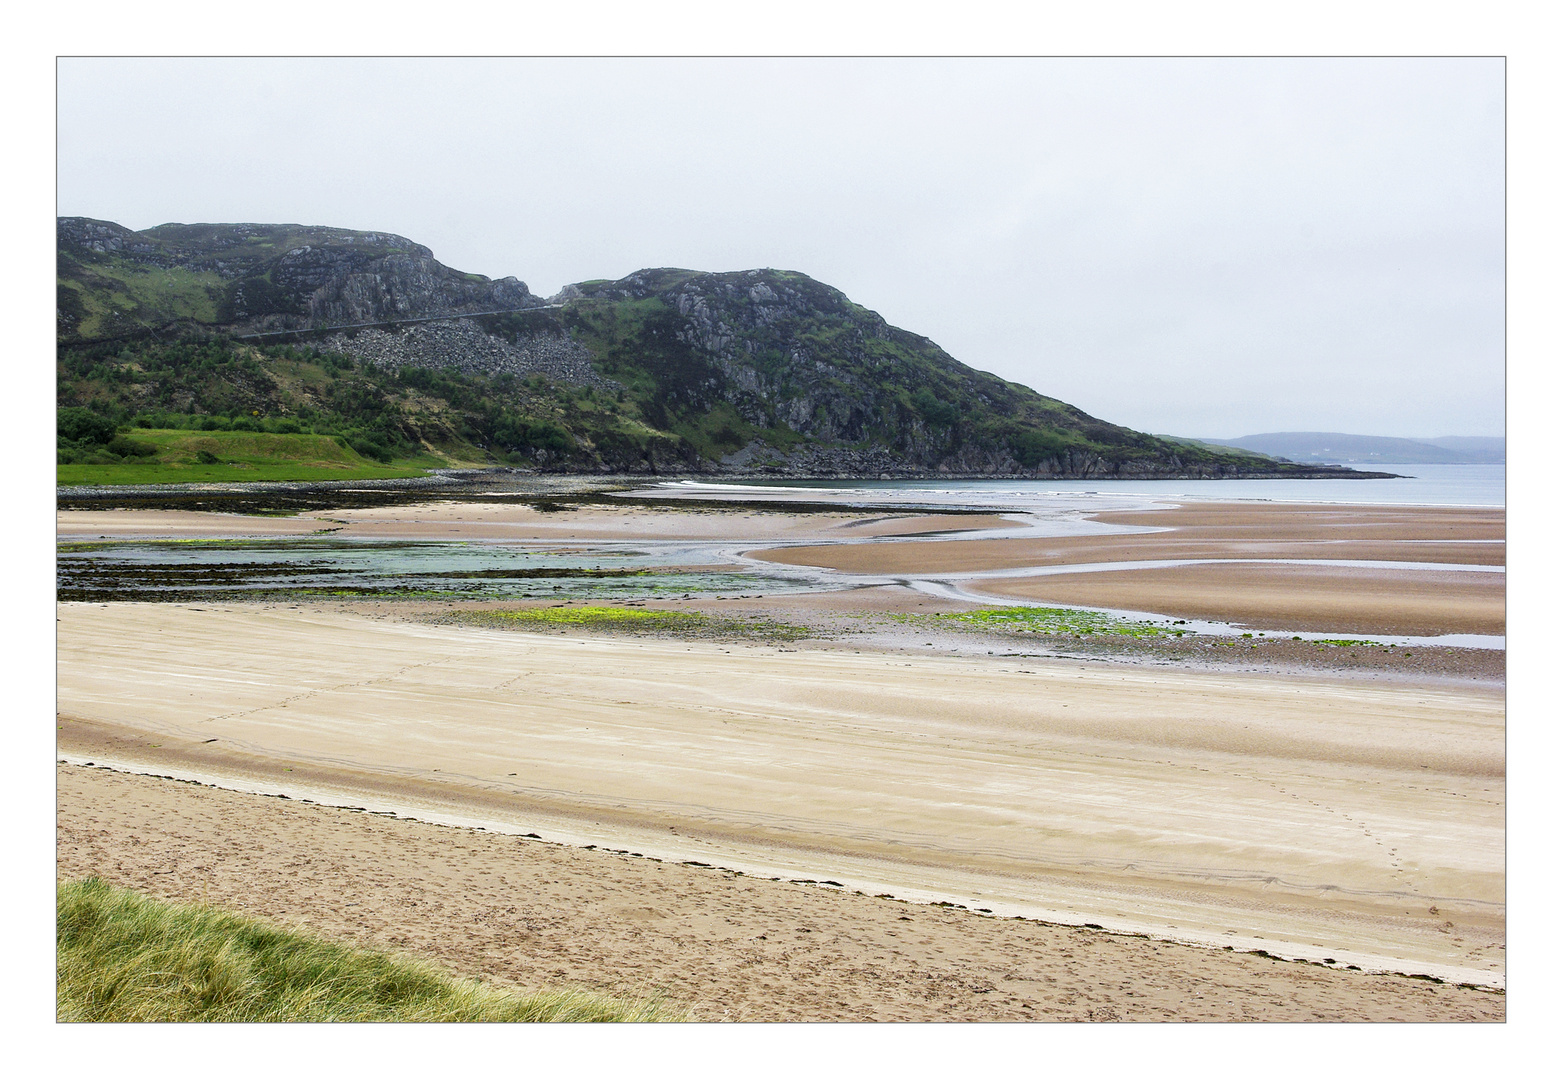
125	957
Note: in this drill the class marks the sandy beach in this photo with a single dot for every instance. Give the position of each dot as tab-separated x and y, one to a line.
729	948
1309	816
1190	801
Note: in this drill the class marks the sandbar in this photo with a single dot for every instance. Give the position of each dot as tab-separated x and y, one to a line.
517	522
1349	599
1235	582
1197	531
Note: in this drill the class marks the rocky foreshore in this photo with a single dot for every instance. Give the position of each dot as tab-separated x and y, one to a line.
468	483
878	463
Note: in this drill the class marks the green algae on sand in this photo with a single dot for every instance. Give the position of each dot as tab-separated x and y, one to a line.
685	624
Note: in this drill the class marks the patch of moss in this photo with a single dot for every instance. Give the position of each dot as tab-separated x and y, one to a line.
1055	621
600	616
603	618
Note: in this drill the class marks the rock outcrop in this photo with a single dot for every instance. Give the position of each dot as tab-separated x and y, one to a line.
822	386
270	278
463	344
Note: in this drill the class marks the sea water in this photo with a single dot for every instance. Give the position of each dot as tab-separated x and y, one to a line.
1417	485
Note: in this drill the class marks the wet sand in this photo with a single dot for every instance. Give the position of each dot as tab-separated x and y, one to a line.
1315	597
1363	600
1311	818
518	523
78	525
1318	597
531	914
1197	531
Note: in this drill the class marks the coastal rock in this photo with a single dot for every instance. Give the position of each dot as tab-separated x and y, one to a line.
463	345
271	278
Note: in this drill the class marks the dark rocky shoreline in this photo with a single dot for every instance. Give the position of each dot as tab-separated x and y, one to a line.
497	480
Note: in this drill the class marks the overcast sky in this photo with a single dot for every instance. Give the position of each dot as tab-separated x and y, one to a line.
1192	247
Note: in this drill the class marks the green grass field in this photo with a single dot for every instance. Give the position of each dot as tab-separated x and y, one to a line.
124	957
237	456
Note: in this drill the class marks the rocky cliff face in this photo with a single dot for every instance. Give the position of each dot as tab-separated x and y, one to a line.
783	350
822	386
259	278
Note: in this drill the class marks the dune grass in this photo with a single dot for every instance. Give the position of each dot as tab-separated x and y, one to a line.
125	957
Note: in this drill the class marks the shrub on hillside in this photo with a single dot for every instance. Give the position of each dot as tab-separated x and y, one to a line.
127	447
74	424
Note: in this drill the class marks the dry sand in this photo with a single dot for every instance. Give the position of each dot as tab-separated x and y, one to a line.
727	947
1311	818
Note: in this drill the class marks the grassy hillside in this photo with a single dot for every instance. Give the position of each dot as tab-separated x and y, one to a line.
114	282
413	418
111	295
124	957
162	456
193	274
295	330
677	408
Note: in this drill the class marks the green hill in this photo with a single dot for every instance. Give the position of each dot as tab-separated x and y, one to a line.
1339	448
363	337
113	282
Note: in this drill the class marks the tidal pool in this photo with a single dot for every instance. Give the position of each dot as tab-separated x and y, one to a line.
435	570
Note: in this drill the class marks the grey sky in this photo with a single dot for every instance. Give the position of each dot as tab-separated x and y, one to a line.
1199	247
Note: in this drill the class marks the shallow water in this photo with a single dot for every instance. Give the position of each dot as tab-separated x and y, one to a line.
327	567
1420	485
439	570
955	590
